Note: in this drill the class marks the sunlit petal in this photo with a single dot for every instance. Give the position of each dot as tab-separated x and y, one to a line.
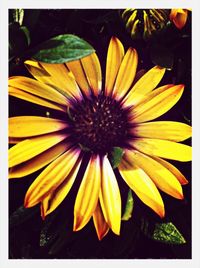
88	194
160	175
100	224
166	130
32	147
26	126
163	148
158	104
92	69
114	59
110	197
145	84
126	73
38	161
51	177
143	186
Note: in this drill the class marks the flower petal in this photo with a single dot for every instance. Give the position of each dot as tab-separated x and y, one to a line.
38	89
126	73
88	194
166	130
179	17
144	85
63	79
32	147
77	69
181	178
110	198
162	148
56	197
38	161
114	59
161	176
92	69
26	126
143	186
18	93
51	177
100	224
157	103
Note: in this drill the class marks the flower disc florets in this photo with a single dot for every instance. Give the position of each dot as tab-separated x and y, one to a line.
99	124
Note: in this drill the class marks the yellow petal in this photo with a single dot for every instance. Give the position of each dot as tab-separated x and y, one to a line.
32	147
144	85
77	69
181	178
173	13
126	73
161	176
26	126
110	198
114	59
92	71
88	194
157	105
166	130
100	224
143	186
51	177
38	89
62	190
62	78
38	161
18	93
163	148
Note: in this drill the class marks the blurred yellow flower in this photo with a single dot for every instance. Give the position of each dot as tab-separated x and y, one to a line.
91	120
179	17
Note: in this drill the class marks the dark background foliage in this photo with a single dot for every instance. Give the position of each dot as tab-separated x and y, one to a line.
30	237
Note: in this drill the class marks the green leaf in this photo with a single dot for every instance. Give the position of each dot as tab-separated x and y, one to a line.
162	56
62	48
26	33
116	156
168	233
129	206
21	215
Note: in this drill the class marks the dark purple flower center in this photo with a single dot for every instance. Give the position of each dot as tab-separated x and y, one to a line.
99	124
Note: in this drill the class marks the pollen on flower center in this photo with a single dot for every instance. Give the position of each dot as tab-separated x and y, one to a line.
99	124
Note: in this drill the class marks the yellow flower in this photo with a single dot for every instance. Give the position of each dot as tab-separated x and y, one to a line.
179	17
92	119
143	23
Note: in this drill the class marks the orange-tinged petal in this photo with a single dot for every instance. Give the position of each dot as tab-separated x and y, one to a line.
100	224
18	93
38	89
181	178
88	194
56	197
51	177
32	147
143	186
166	130
179	17
114	59
163	148
161	176
92	69
26	126
38	161
62	78
110	198
144	85
126	73
77	69
157	105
